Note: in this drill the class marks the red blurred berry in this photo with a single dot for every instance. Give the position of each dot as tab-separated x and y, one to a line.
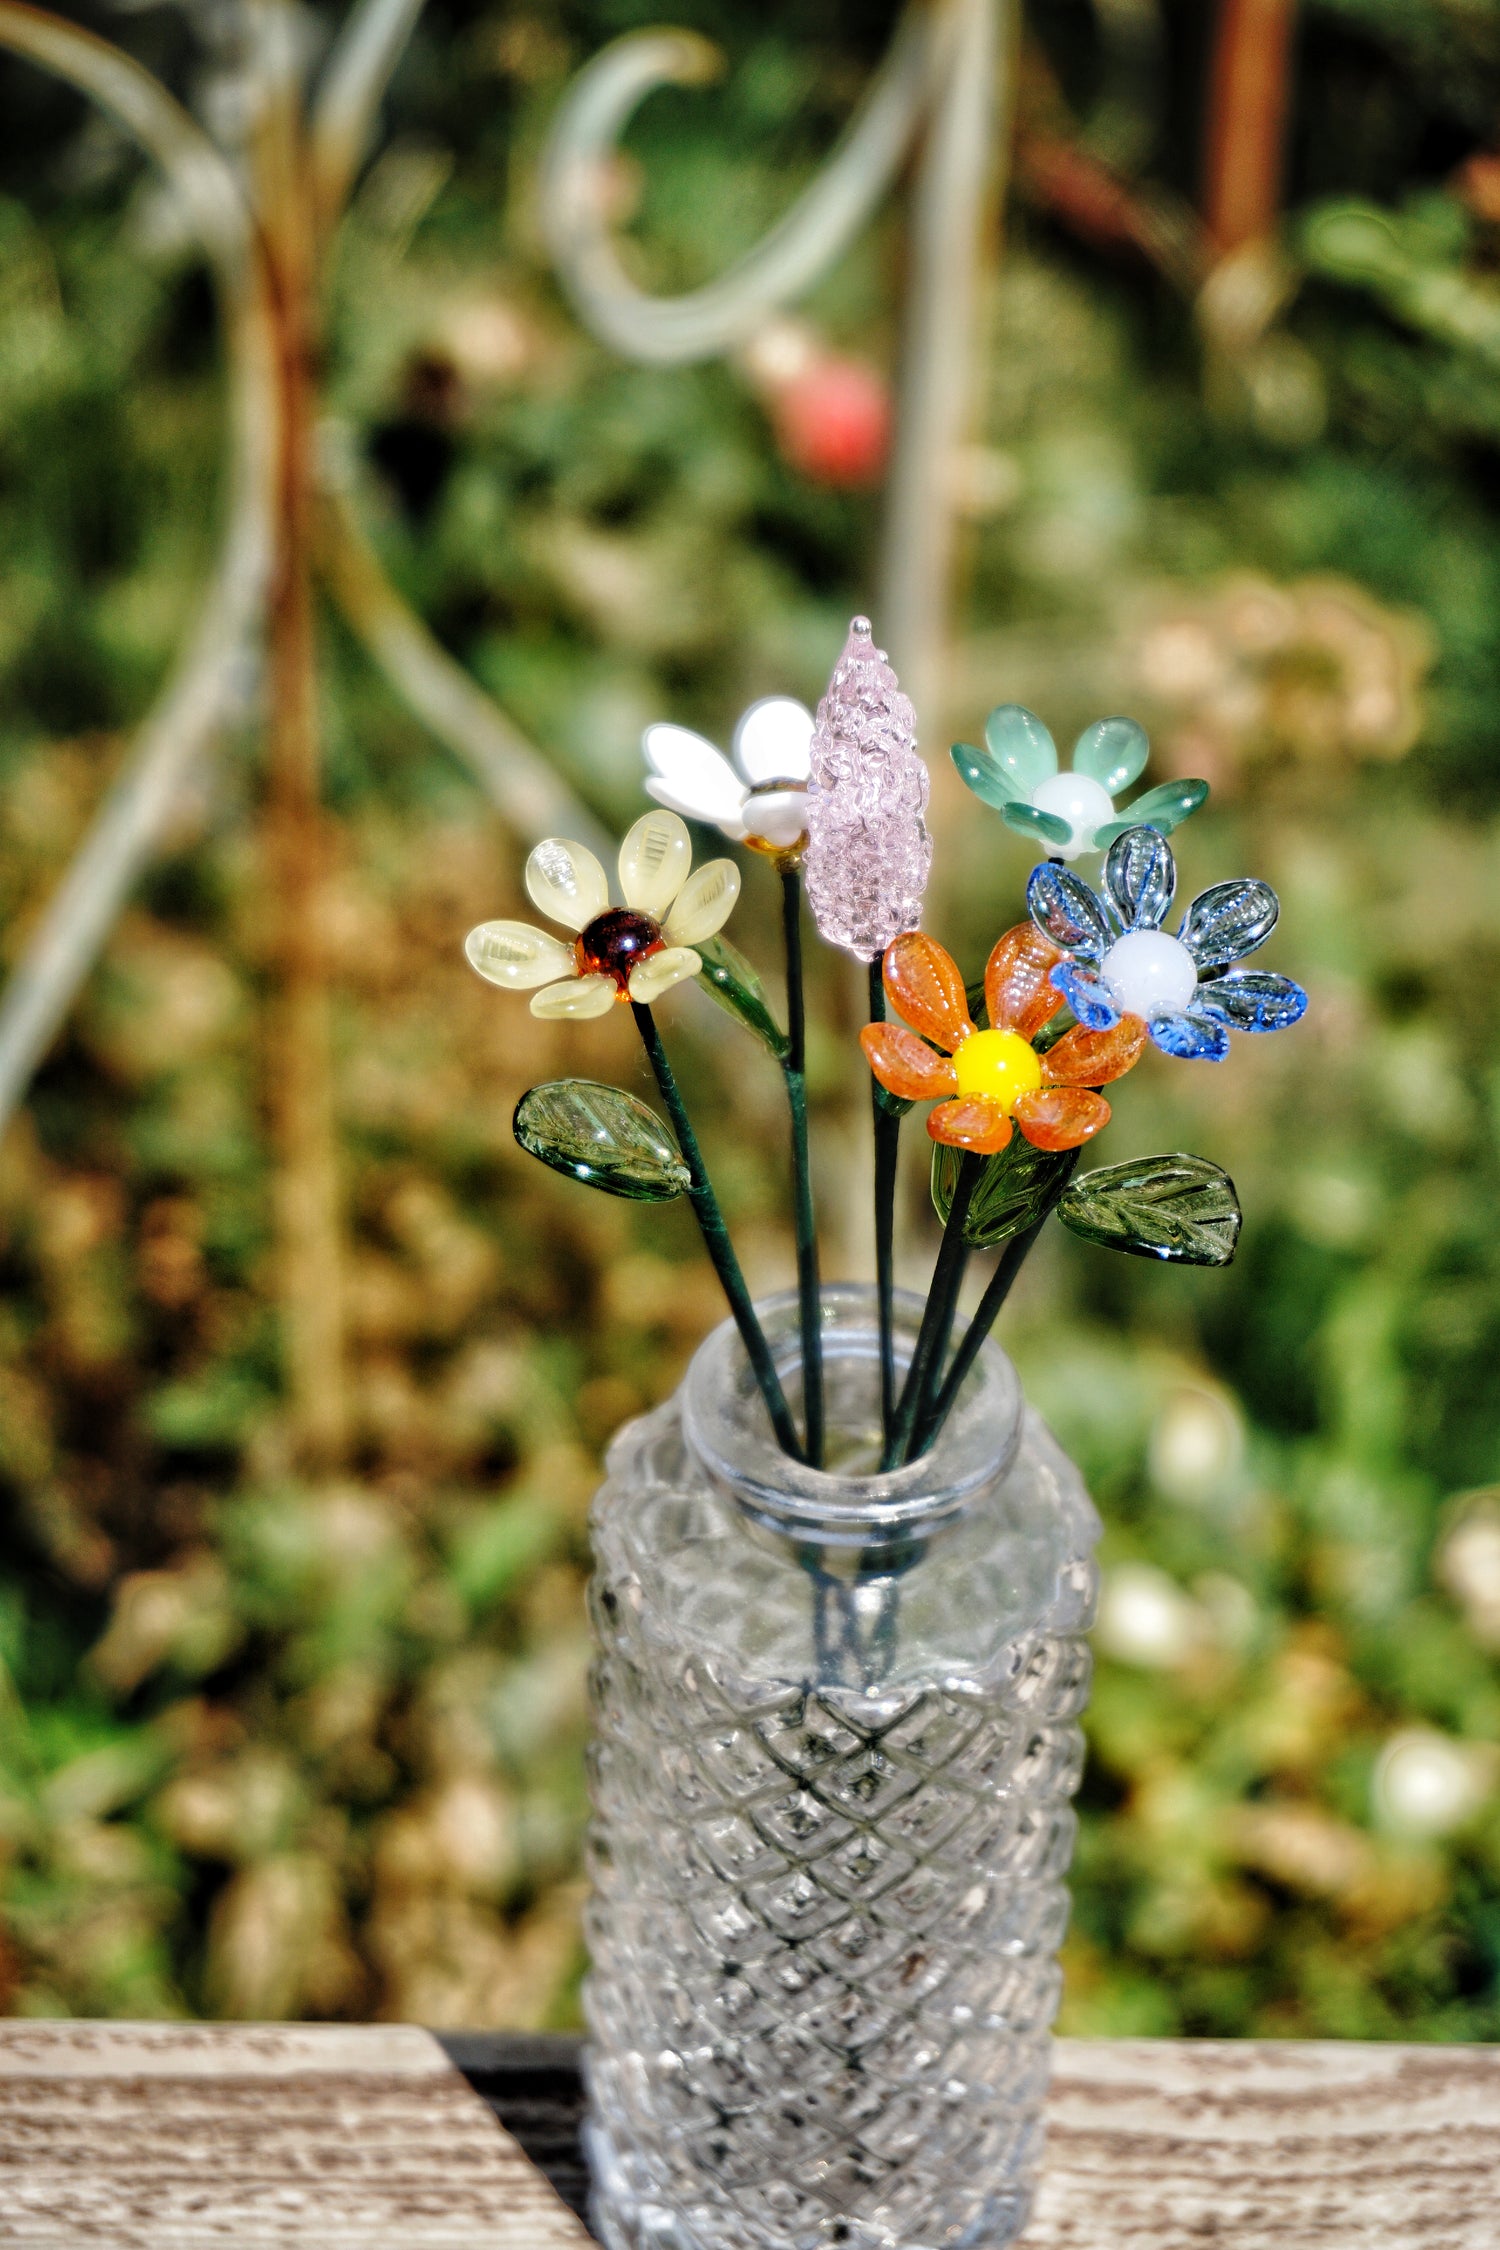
833	422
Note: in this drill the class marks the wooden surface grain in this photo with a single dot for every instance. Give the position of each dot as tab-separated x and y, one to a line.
253	2137
202	2137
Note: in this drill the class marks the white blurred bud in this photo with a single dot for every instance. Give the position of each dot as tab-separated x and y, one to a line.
1427	1784
1468	1567
1147	1620
1197	1444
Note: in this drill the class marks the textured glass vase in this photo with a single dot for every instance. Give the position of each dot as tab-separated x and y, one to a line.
836	1738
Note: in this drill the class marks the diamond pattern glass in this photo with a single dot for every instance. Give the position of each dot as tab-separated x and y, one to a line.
832	1823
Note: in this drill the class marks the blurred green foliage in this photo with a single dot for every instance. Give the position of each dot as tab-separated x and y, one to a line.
270	1750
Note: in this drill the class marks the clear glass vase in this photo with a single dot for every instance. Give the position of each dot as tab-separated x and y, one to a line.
836	1738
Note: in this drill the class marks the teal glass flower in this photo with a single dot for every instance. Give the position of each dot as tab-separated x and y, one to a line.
1072	812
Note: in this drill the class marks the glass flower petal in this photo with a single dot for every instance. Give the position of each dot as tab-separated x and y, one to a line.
566	882
654	861
1087	995
1165	807
1037	826
1067	911
1140	878
1111	752
905	1065
983	774
691	776
580	996
1094	1058
1018	992
923	981
972	1122
1253	1000
1195	1036
1061	1116
1229	920
777	816
704	904
1021	746
773	741
657	974
516	956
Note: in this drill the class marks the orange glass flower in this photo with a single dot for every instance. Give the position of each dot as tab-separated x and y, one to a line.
984	1079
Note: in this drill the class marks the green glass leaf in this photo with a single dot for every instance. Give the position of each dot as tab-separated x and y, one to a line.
1041	827
1015	1188
892	1104
1112	752
1164	808
981	773
1020	746
602	1136
729	979
1179	1208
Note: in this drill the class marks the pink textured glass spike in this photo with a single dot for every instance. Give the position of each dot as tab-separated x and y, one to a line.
868	852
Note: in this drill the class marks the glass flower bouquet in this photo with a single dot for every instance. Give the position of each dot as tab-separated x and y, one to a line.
844	1576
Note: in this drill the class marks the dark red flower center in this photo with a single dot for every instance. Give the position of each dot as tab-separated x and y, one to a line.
614	941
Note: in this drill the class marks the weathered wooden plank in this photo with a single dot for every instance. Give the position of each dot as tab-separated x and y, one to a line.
1175	2145
192	2136
202	2137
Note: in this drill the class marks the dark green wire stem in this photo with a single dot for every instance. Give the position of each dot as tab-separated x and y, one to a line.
887	1150
987	1312
937	1317
794	1067
716	1238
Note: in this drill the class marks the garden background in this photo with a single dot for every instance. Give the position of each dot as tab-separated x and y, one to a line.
277	1744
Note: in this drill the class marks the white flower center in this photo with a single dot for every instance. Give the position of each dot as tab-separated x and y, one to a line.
1085	805
1150	974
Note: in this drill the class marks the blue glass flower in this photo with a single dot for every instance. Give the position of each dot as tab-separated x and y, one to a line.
1121	962
1070	813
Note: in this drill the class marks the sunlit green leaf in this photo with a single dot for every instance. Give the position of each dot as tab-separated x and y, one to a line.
1179	1208
602	1136
1015	1188
729	978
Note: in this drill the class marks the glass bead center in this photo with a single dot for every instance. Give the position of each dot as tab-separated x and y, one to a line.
615	941
1001	1065
1150	974
1083	803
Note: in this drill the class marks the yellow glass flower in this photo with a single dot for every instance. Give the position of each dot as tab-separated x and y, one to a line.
636	951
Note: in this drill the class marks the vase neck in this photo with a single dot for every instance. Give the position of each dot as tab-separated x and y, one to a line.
851	1505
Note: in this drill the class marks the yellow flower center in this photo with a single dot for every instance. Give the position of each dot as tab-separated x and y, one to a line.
999	1064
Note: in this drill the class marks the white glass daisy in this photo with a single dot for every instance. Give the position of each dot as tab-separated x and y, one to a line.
636	951
764	804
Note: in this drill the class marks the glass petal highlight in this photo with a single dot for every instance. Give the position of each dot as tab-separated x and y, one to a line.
1229	920
1018	992
1194	1036
773	741
922	980
972	1122
1095	1058
1056	1117
778	817
1021	746
1067	911
1165	807
657	974
705	902
1038	827
1140	878
1112	752
580	996
690	775
1087	995
905	1065
566	882
1253	1000
654	861
517	957
983	774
